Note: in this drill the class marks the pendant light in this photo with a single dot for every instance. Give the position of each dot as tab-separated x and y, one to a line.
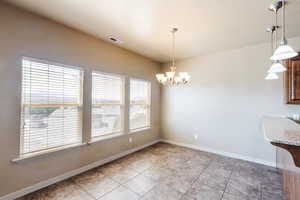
170	78
276	67
284	51
271	76
273	69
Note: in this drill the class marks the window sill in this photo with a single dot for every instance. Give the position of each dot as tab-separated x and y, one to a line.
105	137
45	152
139	129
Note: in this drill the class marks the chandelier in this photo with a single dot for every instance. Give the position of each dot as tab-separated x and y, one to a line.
171	78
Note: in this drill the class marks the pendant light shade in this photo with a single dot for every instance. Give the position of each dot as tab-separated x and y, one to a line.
284	52
277	67
271	76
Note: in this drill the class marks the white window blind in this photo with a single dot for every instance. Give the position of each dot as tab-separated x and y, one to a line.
107	104
51	106
139	104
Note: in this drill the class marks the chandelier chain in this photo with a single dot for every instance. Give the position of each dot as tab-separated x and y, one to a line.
173	49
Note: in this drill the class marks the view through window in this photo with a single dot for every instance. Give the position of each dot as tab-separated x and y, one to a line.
51	105
139	104
107	104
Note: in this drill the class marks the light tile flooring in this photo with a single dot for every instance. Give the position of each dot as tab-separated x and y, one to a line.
168	172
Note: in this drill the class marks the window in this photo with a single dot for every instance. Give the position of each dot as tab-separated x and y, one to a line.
139	104
107	104
51	106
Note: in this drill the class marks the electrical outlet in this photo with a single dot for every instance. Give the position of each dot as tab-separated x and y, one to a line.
130	140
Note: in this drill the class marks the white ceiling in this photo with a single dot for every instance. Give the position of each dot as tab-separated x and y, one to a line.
144	25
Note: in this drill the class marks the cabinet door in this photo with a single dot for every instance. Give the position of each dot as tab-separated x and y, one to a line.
292	81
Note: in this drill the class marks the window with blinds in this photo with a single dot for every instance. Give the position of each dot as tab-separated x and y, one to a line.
107	104
139	111
51	106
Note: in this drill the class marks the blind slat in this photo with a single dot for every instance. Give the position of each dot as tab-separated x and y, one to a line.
107	103
51	101
139	111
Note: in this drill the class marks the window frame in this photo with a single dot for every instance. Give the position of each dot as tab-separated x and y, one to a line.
80	105
122	107
125	107
148	105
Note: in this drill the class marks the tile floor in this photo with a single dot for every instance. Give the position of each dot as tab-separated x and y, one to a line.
168	172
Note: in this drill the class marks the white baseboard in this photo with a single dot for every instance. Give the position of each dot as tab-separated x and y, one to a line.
69	174
228	154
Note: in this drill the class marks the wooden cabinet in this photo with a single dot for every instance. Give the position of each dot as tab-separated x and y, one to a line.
292	81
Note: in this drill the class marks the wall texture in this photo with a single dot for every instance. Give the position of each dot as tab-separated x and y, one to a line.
223	105
23	33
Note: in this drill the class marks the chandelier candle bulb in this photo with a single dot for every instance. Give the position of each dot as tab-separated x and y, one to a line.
184	75
170	74
159	76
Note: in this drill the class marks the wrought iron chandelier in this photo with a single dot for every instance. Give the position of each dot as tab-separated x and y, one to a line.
171	78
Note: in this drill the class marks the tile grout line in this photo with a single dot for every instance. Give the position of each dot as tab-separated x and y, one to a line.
120	184
123	184
191	184
229	178
138	173
84	190
147	192
260	188
196	179
99	198
142	196
153	187
107	177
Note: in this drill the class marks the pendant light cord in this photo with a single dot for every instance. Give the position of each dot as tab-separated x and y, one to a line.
272	42
173	48
276	27
283	42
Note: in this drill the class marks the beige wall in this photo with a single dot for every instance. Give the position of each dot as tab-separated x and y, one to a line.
224	103
27	34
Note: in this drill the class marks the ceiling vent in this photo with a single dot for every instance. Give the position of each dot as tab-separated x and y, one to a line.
114	39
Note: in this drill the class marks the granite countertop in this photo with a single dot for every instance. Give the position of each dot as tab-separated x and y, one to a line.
281	130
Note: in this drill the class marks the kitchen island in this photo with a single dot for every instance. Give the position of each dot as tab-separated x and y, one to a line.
284	133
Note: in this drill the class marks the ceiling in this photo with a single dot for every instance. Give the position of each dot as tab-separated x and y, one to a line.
144	25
